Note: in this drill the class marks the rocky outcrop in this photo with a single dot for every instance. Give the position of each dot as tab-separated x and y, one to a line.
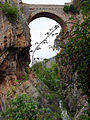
15	76
14	87
14	51
75	99
76	3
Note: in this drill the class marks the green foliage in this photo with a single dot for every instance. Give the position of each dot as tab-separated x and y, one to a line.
27	70
76	55
25	108
71	18
85	7
21	108
47	114
77	50
45	60
13	89
70	8
8	93
21	9
66	9
48	75
25	77
10	11
84	117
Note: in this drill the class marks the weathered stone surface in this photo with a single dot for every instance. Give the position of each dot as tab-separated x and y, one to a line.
14	51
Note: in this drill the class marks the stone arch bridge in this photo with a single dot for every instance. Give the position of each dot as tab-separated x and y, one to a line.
55	12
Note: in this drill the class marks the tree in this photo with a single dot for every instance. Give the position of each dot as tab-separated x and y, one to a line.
10	11
43	42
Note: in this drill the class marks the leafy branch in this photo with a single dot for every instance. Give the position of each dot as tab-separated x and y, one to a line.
43	42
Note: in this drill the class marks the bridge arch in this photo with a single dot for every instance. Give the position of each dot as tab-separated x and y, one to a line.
48	15
55	12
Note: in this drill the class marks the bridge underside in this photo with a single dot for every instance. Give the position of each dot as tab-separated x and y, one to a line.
55	12
51	16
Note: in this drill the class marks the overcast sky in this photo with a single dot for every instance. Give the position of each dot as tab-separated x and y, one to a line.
46	1
40	26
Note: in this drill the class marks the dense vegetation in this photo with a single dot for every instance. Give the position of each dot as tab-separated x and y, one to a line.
70	8
77	49
10	11
48	75
76	52
21	108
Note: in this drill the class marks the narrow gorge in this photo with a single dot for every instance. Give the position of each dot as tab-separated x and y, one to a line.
54	87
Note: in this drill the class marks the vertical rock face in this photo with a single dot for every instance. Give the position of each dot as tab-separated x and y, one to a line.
76	3
74	97
14	49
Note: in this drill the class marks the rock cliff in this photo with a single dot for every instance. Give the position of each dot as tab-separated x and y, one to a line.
14	51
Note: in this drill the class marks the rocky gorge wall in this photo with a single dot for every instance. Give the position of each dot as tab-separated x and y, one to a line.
14	51
74	96
14	60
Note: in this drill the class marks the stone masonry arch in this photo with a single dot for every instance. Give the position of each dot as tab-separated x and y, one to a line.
48	15
55	12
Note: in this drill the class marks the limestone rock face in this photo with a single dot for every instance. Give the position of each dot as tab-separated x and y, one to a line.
14	50
74	97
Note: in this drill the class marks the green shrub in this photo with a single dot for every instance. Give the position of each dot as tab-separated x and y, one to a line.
48	75
70	8
25	108
10	11
84	117
25	77
21	9
66	8
47	114
85	6
21	108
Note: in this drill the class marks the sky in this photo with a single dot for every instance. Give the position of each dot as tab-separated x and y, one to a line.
60	2
40	26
